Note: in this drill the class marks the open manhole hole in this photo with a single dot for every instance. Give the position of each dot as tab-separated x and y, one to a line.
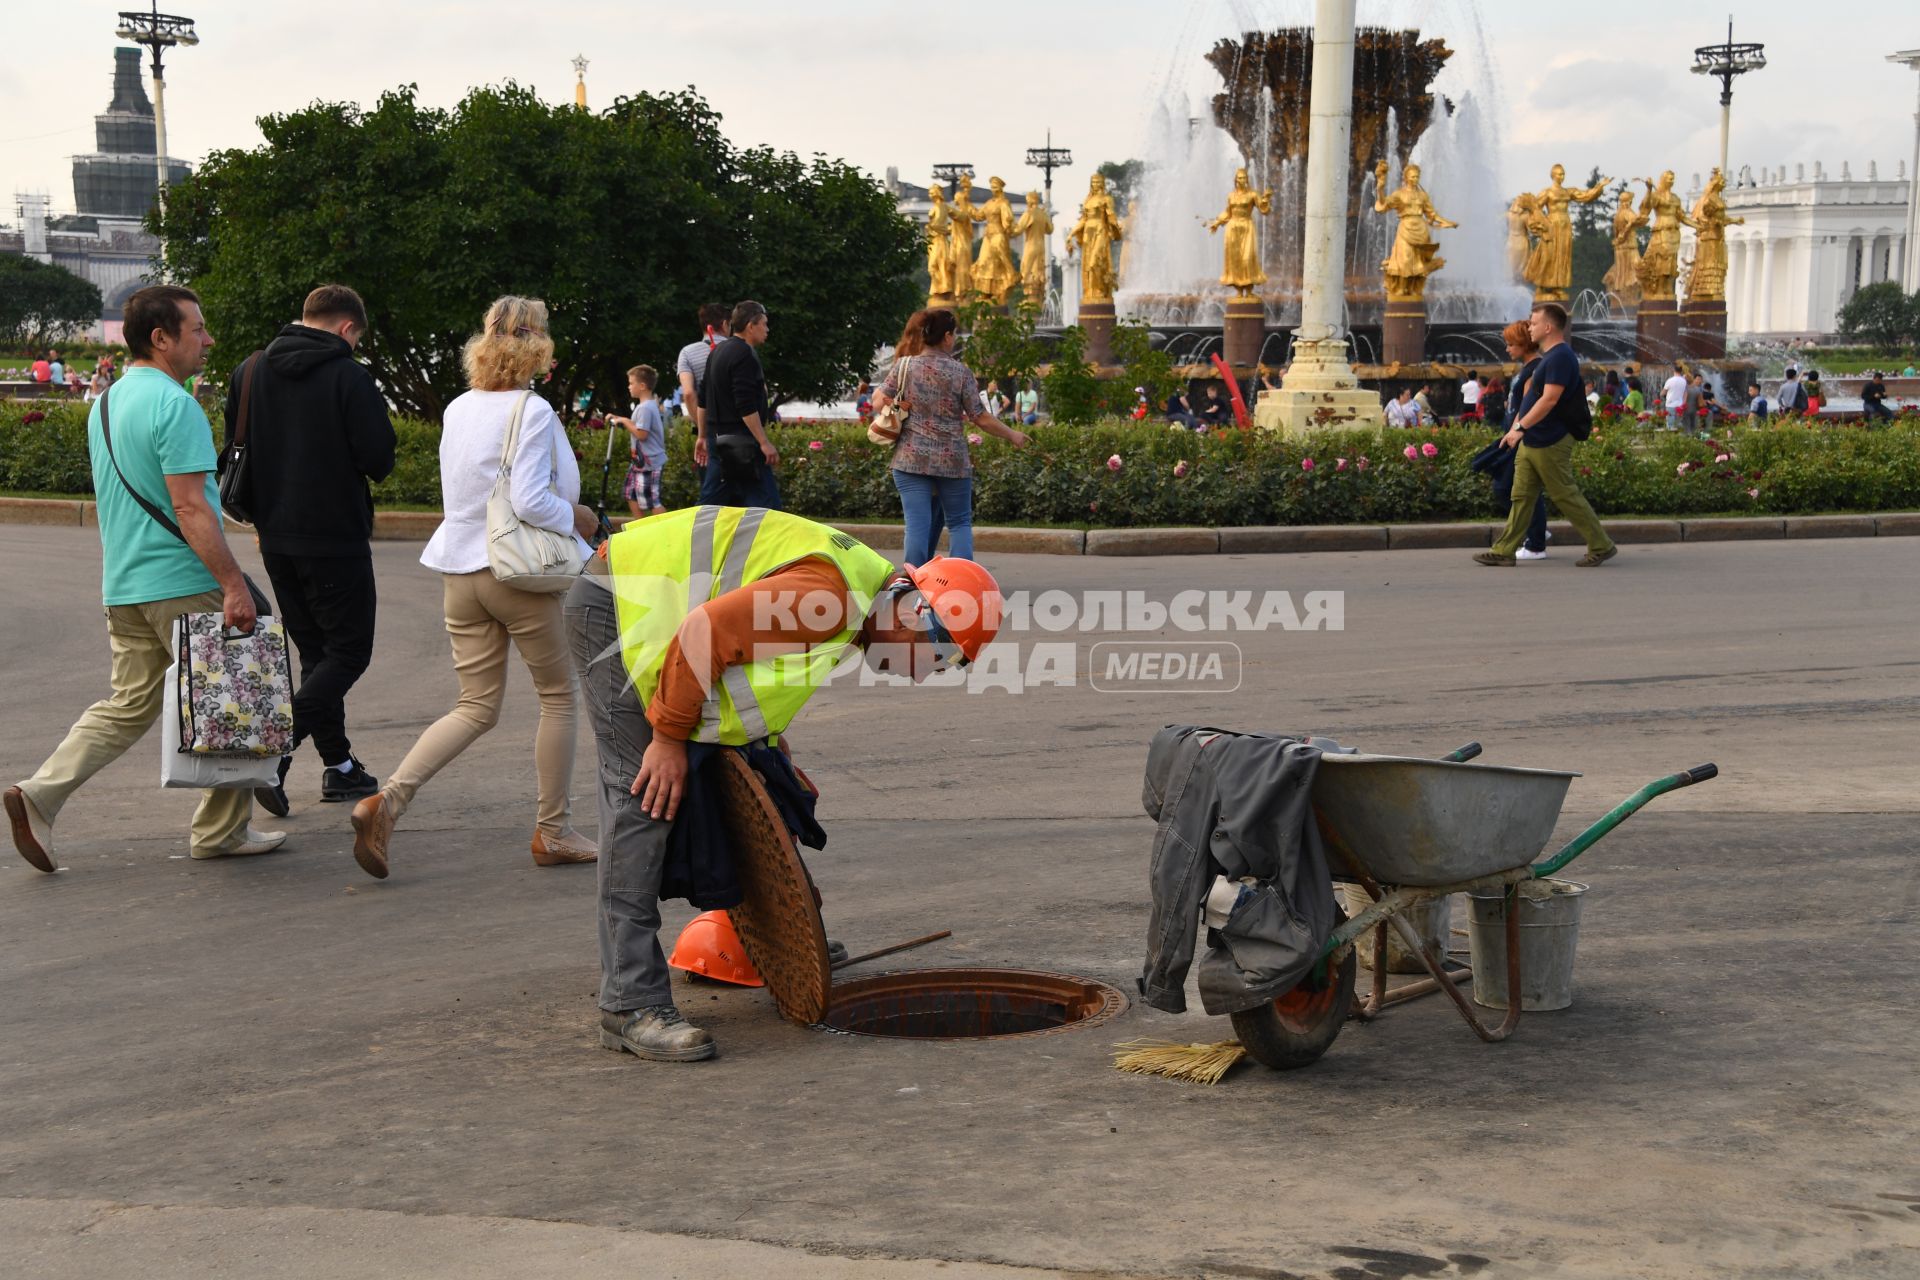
969	1004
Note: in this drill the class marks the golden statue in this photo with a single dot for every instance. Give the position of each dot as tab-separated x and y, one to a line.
1414	256
1518	246
1708	280
993	275
960	237
1661	263
939	250
1622	280
1097	231
1551	268
1242	270
1035	225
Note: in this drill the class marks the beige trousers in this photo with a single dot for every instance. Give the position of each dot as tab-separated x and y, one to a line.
141	638
483	616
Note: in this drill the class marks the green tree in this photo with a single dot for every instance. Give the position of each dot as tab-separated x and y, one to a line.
1123	180
1075	393
1592	240
40	304
999	345
1882	315
1144	366
624	221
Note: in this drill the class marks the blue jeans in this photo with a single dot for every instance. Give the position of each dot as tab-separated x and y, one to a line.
737	475
930	503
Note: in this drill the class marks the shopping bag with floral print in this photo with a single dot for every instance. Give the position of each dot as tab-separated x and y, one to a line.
235	691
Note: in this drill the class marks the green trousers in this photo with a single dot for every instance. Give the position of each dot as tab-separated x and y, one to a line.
1550	469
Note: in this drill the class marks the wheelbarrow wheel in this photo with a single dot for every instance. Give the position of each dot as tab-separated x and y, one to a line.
1296	1028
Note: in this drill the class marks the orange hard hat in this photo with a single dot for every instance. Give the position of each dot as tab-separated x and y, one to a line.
710	947
963	604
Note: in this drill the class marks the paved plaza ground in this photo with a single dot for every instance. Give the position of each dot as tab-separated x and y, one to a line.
278	1067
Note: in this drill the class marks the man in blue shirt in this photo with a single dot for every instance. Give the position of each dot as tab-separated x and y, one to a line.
1545	449
163	447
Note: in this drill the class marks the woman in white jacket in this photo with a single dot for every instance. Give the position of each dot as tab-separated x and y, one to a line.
483	614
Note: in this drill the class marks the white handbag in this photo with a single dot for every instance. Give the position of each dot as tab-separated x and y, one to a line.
235	721
524	556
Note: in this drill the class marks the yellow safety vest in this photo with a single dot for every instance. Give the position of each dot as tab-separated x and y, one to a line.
664	568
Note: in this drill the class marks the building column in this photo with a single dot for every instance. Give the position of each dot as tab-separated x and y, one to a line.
1735	288
1763	316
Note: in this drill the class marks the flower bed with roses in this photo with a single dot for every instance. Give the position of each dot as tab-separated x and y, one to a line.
1118	473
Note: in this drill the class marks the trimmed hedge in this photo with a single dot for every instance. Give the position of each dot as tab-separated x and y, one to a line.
1167	476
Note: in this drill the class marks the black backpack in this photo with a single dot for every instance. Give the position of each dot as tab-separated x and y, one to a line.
1579	414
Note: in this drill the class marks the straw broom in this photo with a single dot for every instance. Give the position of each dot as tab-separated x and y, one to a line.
1200	1063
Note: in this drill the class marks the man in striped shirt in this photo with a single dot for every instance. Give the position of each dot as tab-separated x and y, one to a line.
692	367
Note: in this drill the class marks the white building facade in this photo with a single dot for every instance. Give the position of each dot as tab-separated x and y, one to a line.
1809	243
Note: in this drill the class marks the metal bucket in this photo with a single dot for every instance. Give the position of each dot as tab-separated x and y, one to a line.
1432	923
1549	930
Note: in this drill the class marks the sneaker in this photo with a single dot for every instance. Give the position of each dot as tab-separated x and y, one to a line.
1524	554
274	798
336	786
1488	557
254	842
658	1034
32	834
373	820
1593	558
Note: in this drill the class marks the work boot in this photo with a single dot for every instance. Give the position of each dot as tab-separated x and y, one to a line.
1595	558
658	1034
32	834
274	798
336	786
373	820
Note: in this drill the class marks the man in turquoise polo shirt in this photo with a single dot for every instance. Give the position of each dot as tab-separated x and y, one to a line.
160	456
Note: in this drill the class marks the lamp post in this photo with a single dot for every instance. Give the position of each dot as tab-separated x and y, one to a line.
1727	61
158	31
1910	271
1046	159
951	175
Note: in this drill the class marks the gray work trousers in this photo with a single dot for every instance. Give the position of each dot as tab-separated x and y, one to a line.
633	845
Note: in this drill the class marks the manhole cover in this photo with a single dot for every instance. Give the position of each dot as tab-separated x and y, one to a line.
969	1004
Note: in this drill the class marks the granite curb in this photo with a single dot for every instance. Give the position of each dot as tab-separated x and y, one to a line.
418	526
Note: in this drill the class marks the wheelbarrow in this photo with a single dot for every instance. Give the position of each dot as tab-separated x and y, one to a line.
1409	831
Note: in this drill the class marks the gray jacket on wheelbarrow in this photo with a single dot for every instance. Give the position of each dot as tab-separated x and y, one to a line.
1238	805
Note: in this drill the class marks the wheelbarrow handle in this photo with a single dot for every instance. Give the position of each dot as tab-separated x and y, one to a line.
1460	755
1620	813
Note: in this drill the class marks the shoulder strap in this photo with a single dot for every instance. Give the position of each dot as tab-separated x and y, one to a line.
106	431
513	434
239	438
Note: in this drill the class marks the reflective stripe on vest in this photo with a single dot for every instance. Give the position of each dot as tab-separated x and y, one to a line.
663	569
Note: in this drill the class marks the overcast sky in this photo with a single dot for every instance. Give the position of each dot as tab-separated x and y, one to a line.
884	83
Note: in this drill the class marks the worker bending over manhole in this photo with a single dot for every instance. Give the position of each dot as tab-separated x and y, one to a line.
709	629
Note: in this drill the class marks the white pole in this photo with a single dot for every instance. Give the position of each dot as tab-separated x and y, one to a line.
1329	139
159	132
1727	125
1911	282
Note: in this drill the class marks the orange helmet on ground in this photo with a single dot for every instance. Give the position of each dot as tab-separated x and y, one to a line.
963	604
710	948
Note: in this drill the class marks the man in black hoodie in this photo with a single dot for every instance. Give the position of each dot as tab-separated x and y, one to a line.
317	436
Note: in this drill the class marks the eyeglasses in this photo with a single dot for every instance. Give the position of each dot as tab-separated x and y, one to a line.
947	654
